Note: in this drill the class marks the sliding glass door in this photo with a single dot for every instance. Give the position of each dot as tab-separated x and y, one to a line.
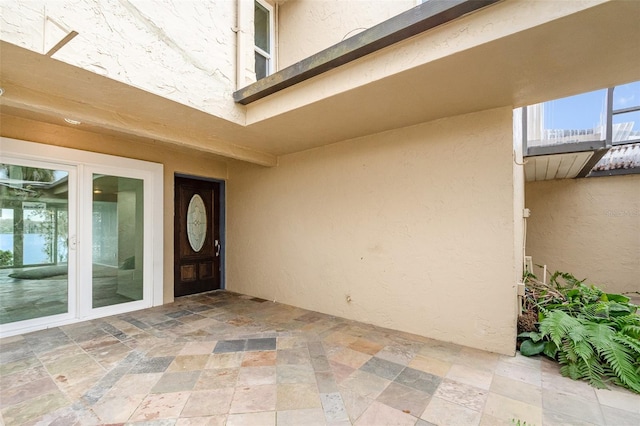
80	234
117	240
36	265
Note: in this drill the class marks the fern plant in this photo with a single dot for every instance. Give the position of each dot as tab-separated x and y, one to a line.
593	335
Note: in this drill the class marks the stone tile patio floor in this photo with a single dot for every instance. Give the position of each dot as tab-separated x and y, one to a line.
222	358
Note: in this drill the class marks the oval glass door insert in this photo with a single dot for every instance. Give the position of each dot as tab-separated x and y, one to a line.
196	223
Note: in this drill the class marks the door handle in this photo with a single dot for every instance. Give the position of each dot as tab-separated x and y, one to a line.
217	244
73	242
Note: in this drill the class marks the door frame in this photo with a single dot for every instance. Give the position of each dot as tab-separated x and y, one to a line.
73	256
221	218
83	161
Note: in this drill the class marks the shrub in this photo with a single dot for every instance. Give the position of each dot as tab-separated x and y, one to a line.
594	335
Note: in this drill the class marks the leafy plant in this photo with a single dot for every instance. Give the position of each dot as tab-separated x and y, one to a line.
594	335
6	258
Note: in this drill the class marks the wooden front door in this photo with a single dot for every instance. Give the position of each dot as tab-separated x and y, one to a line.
196	236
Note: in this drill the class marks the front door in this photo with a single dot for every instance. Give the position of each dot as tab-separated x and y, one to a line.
197	236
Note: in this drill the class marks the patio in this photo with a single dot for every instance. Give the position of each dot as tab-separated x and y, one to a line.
223	358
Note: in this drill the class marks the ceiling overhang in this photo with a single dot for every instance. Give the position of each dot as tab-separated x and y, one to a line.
581	51
41	88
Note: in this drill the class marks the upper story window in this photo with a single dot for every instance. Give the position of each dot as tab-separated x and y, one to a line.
263	35
626	113
608	115
590	134
573	119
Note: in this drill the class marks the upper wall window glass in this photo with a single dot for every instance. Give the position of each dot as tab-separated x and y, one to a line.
262	27
263	33
568	120
626	112
626	96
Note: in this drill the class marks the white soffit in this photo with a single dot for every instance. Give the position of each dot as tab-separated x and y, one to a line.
556	166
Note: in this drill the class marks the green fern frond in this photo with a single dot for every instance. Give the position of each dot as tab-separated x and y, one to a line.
626	320
585	351
631	331
595	336
629	341
578	334
623	368
569	351
600	334
593	372
562	358
571	370
616	354
557	325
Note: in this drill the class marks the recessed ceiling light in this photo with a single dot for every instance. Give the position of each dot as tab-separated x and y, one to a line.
1	91
71	121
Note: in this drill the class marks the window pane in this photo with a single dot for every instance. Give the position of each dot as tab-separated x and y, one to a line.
33	242
117	240
626	96
626	127
261	26
261	66
568	120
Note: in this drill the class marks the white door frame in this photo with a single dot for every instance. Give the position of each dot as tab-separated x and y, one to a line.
72	209
81	165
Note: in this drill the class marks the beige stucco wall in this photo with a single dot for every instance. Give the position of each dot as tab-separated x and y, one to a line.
415	225
306	27
182	50
174	160
587	227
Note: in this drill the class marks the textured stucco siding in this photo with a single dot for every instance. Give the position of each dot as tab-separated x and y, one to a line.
181	50
309	26
589	228
419	242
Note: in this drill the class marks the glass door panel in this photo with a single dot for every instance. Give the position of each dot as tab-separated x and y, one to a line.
34	235
117	240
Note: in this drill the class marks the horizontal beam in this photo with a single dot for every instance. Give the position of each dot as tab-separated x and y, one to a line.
94	118
565	148
408	24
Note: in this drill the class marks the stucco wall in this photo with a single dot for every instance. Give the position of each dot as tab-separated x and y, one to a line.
174	160
587	227
182	50
415	225
306	27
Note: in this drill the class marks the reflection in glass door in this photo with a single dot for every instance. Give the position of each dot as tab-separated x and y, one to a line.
117	240
34	235
77	231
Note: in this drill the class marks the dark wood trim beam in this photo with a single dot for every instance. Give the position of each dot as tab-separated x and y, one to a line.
408	24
